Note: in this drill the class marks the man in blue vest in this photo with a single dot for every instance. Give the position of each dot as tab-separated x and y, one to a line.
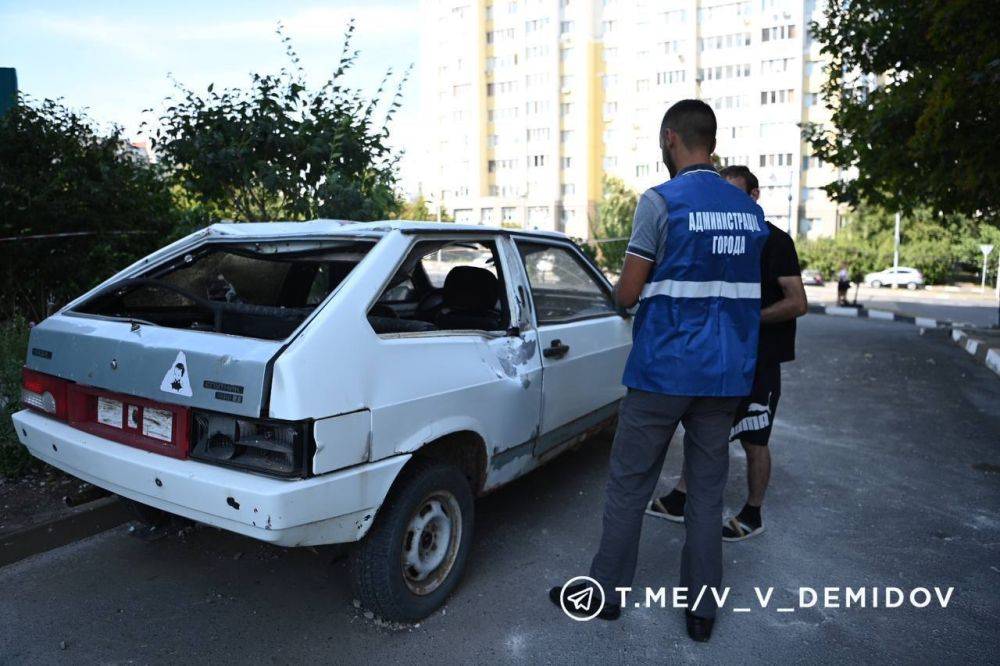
693	265
783	298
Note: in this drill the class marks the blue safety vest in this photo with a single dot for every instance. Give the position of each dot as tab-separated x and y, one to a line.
695	332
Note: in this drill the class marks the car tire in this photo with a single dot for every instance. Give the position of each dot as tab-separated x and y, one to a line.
415	553
911	286
876	284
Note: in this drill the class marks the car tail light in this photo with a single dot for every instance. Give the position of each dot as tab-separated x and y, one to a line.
270	447
44	393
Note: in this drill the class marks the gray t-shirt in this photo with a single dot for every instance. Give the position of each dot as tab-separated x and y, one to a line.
649	227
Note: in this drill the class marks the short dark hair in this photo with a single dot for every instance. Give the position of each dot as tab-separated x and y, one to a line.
744	172
694	121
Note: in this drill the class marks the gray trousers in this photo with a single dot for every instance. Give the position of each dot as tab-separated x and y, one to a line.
646	422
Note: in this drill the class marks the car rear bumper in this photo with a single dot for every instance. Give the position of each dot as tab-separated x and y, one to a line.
332	508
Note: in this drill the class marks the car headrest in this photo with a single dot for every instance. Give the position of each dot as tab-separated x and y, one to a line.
471	288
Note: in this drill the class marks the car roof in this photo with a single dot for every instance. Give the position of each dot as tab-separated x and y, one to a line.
351	228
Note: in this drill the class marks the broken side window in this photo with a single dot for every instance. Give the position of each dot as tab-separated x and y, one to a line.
444	285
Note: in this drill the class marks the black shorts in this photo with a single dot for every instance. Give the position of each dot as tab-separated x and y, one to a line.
755	415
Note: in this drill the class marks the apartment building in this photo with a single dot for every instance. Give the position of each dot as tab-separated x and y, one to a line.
529	103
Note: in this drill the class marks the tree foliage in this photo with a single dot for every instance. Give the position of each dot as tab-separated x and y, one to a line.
938	245
614	223
76	200
281	151
417	209
925	133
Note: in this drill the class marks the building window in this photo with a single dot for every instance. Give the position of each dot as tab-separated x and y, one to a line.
642	85
533	108
568	189
486	216
784	96
567	215
777	32
567	163
538	134
536	160
641	170
565	109
508	214
463	215
675	76
532	80
566	136
535	24
538	215
565	27
776	160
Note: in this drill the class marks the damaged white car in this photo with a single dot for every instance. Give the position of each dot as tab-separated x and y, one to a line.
327	382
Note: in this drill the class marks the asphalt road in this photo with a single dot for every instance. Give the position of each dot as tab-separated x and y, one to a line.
887	473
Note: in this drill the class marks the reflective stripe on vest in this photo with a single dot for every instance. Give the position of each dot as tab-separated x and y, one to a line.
709	289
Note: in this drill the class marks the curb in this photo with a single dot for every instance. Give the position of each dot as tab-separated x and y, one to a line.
885	315
988	356
77	523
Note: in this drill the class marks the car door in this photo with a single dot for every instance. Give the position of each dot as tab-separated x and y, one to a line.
583	338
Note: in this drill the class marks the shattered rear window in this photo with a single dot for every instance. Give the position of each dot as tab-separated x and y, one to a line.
258	290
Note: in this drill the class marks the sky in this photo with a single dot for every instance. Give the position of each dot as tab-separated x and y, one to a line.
114	59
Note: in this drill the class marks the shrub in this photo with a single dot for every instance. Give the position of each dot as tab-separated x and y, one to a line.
14	458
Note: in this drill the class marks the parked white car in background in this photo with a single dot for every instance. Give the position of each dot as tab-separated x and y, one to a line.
327	382
903	276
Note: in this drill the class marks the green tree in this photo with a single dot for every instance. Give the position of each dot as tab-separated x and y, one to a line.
76	205
912	87
936	244
417	209
281	151
614	223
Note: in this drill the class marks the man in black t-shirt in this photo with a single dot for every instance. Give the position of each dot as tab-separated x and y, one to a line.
783	299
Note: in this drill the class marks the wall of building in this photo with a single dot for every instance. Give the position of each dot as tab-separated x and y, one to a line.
530	103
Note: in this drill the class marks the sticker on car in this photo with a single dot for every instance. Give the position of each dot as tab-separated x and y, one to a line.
177	380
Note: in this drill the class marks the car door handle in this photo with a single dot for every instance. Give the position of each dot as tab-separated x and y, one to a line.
556	350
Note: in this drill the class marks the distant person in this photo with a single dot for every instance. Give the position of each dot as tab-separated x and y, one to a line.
843	284
694	261
783	299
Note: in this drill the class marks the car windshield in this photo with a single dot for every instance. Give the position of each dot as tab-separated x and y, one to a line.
259	290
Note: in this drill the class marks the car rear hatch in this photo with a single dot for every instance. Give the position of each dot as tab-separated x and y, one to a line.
190	368
201	326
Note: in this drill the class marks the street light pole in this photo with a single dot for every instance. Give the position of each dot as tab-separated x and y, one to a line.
998	292
895	255
985	249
